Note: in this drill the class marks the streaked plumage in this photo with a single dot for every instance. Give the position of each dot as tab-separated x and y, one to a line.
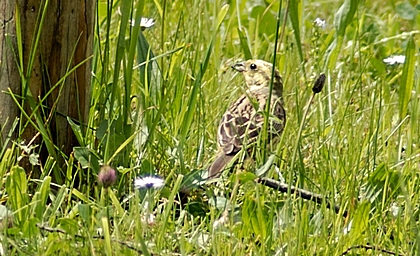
242	122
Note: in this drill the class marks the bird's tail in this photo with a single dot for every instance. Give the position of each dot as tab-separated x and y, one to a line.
218	165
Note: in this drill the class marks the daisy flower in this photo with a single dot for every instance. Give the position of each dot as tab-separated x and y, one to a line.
146	23
149	182
320	23
396	59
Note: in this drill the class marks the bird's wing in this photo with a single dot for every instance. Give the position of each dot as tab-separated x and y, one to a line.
239	123
278	117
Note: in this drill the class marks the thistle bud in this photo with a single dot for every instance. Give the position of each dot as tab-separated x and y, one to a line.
107	176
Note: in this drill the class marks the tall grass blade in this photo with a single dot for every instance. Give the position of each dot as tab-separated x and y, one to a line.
40	198
407	77
17	189
342	19
9	136
295	17
245	45
120	52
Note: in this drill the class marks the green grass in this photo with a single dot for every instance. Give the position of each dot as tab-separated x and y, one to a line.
157	98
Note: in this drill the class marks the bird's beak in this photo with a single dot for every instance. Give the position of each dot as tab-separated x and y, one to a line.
240	66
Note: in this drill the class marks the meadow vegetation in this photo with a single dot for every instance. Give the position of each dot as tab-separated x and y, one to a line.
157	96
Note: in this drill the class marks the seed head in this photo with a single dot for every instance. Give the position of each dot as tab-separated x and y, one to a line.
319	84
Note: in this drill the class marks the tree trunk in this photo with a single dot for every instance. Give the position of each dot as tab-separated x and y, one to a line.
66	40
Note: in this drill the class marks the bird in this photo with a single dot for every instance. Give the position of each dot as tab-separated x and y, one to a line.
243	121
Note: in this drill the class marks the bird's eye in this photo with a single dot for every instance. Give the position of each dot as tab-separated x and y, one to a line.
253	66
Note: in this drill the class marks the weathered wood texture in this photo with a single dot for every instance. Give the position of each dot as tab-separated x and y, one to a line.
9	75
66	40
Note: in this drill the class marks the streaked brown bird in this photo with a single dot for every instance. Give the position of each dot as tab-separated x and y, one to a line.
242	122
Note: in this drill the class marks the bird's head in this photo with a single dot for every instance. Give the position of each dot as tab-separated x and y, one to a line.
257	74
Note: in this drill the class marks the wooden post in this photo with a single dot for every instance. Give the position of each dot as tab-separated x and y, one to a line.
66	40
9	74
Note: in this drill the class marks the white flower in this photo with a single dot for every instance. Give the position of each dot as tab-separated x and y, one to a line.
149	182
147	23
320	23
395	209
396	59
144	23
